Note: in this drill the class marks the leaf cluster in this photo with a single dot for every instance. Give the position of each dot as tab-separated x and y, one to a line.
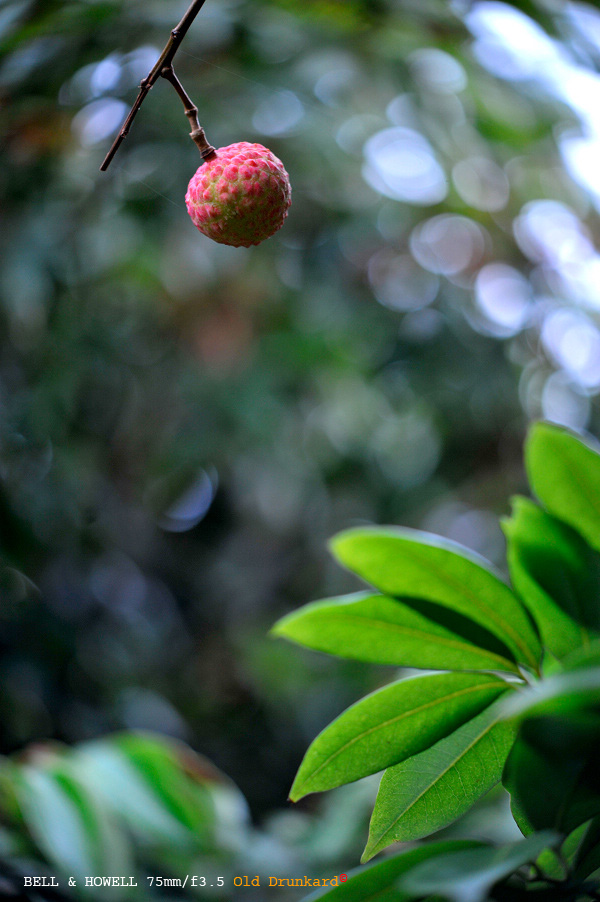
516	695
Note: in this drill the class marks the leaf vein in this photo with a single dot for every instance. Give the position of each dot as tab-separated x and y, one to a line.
435	783
398	718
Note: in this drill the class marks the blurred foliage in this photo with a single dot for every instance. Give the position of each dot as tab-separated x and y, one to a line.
135	807
184	424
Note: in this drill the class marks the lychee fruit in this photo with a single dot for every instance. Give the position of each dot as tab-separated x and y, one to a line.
241	196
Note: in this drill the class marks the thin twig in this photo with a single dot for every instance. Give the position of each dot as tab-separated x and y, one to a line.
197	135
165	61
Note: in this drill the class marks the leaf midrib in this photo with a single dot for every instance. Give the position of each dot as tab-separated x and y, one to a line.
434	782
399	717
443	640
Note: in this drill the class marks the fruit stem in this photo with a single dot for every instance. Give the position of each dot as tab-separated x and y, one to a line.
165	60
207	151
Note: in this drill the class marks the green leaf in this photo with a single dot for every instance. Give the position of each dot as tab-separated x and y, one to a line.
69	824
557	865
587	859
583	658
378	882
564	473
560	693
392	724
382	630
148	781
434	788
468	875
555	573
411	564
552	775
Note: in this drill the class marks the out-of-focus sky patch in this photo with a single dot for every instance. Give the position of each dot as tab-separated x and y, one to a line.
279	115
513	47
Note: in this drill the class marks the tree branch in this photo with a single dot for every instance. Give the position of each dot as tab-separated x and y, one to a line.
191	111
165	61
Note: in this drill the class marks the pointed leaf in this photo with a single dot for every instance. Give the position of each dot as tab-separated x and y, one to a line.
382	630
564	472
556	574
411	564
378	882
432	789
390	725
468	875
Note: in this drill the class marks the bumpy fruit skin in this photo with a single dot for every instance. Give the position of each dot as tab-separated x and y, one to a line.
241	196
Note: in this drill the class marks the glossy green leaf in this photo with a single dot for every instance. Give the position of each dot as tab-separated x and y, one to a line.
564	473
555	573
392	724
411	564
467	876
382	630
377	883
69	824
434	788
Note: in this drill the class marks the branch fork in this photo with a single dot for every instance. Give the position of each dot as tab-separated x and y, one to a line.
163	68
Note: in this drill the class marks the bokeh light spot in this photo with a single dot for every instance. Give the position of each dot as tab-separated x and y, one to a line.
400	164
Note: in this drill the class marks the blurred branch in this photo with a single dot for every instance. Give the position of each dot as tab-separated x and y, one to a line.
164	67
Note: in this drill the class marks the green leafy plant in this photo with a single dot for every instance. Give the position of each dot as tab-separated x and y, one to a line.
517	698
132	803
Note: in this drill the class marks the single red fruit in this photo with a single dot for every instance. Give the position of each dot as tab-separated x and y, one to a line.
241	196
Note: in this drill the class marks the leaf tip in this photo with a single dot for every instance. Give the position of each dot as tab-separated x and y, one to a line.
334	543
368	853
342	546
296	793
280	629
541	427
